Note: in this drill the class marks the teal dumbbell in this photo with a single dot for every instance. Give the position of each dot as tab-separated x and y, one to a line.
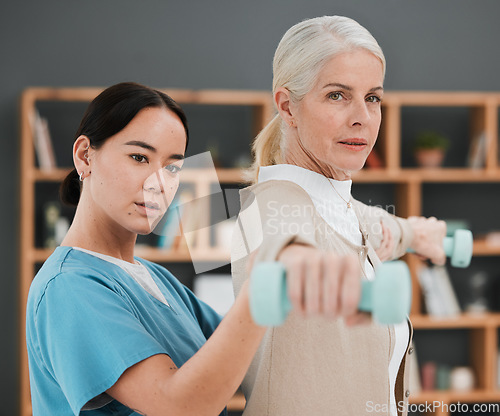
458	248
387	297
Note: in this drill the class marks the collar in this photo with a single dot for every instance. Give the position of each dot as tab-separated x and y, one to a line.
316	185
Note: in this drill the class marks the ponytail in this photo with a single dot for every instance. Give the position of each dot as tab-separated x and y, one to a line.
69	191
267	148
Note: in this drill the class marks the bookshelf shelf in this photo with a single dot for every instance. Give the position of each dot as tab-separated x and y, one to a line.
465	321
483	248
409	183
53	175
441	175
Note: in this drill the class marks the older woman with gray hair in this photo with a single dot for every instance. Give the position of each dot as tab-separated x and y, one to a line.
327	89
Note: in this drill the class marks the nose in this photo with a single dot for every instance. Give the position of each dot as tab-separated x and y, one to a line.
153	183
360	114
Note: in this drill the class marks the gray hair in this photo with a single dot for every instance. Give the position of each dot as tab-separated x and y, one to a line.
298	59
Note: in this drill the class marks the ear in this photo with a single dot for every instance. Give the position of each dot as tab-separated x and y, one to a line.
81	158
284	105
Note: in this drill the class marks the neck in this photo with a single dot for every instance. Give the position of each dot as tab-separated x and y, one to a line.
90	232
297	155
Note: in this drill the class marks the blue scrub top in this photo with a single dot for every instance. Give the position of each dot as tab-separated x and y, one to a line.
88	321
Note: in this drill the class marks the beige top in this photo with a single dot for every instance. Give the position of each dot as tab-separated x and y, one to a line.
315	366
330	197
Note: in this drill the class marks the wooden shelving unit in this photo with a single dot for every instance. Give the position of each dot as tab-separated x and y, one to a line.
483	330
408	182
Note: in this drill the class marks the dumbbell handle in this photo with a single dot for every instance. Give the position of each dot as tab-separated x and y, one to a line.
448	243
364	305
447	246
458	248
388	297
365	301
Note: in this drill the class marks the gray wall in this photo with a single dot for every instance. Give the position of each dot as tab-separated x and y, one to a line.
429	45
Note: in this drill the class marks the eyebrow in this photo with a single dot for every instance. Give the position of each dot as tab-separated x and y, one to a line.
142	144
147	146
348	88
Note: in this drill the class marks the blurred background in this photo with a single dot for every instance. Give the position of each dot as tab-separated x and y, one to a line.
221	44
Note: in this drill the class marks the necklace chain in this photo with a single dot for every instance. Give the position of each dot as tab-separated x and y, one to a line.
349	204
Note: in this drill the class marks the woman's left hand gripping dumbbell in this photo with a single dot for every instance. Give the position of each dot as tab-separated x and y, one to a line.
428	238
323	283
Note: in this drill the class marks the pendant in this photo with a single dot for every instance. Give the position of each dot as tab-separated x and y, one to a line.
349	205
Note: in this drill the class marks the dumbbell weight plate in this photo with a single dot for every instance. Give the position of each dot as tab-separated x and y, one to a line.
462	248
269	303
391	293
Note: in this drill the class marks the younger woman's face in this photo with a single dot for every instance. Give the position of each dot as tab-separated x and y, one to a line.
135	174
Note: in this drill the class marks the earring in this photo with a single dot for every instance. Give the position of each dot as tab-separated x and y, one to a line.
80	176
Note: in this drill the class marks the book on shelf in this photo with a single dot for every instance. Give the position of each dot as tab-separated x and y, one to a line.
477	152
443	377
435	376
439	296
43	142
180	217
224	234
169	226
428	373
192	214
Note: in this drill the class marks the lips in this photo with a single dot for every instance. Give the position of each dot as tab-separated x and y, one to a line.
149	208
354	142
152	205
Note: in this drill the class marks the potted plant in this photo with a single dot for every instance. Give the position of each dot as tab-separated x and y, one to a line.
430	148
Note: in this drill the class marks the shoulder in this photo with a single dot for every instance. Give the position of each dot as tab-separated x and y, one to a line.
370	212
360	208
275	190
73	272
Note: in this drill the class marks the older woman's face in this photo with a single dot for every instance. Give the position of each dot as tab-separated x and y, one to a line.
339	119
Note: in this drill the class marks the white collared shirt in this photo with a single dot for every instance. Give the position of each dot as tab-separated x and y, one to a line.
329	197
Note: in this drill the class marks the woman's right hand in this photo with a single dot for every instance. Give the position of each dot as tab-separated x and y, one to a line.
323	283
